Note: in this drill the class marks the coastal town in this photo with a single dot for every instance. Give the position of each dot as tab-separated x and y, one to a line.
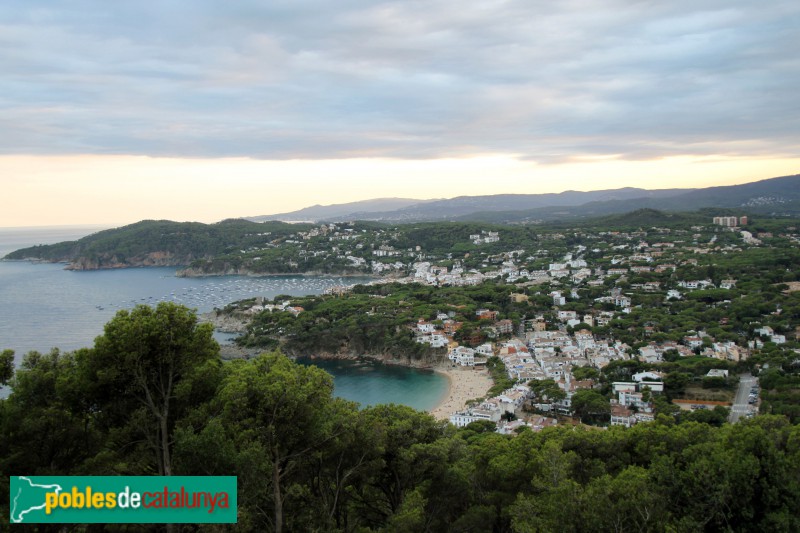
621	367
601	327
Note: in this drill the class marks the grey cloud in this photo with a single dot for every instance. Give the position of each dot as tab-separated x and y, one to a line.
548	81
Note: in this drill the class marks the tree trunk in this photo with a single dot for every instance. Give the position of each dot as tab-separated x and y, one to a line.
276	496
165	445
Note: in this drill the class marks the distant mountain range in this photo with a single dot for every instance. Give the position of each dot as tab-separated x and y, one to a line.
776	196
333	212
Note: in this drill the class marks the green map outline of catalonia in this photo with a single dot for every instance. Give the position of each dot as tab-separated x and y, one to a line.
18	516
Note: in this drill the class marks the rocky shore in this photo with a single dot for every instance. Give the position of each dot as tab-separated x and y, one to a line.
229	352
225	323
152	259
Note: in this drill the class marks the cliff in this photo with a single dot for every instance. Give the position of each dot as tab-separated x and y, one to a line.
151	259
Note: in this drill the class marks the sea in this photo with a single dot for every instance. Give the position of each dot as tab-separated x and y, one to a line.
43	306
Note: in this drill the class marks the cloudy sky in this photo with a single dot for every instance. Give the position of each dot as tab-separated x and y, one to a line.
111	112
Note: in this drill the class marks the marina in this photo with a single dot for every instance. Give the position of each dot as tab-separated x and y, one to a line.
45	306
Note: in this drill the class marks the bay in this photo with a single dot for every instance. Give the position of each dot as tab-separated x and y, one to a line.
43	306
370	382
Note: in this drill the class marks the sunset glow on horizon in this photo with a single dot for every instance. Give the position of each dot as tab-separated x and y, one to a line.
209	190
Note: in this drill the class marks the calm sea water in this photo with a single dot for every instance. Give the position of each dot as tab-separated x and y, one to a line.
44	306
369	383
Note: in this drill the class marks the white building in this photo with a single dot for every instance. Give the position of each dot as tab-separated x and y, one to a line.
567	315
486	411
462	355
485	350
425	327
436	340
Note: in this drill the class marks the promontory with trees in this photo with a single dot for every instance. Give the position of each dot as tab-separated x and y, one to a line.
629	332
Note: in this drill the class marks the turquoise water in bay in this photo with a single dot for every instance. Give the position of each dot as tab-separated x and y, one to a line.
371	382
44	306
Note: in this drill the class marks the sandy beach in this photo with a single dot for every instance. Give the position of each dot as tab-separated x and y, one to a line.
465	384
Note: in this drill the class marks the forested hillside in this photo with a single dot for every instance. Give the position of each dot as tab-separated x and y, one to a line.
372	320
158	243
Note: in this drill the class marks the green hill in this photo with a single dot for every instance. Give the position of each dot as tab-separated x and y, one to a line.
158	243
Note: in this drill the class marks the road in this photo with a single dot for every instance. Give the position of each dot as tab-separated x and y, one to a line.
740	406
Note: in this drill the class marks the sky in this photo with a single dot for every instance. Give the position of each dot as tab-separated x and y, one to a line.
113	112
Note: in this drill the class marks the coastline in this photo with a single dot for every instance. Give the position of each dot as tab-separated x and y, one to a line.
188	272
183	271
465	383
